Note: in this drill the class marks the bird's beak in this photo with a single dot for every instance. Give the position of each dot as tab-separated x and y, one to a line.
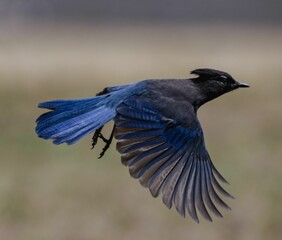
243	85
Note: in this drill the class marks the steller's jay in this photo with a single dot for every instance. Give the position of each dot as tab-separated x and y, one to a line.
158	134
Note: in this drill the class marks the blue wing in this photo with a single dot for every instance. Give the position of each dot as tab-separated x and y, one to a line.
169	158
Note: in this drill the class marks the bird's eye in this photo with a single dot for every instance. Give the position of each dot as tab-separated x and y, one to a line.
221	83
222	80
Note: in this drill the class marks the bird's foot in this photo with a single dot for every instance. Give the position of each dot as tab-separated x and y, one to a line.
108	142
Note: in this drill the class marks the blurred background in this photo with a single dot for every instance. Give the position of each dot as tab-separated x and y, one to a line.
72	49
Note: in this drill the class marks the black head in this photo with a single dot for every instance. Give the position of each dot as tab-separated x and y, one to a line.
213	83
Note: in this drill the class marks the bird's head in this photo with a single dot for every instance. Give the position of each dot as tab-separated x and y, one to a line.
213	83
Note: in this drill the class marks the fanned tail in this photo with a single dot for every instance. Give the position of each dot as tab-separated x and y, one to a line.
70	120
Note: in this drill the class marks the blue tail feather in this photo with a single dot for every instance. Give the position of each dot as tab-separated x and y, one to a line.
79	132
70	104
70	120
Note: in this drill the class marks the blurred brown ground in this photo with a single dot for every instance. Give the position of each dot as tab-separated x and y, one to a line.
64	192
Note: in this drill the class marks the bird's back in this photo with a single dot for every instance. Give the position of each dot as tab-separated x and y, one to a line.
173	98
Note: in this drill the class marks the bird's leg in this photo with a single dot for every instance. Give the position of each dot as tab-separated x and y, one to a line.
96	136
107	141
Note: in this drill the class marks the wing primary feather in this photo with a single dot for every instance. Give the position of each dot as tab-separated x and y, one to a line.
219	187
205	192
157	179
171	181
217	173
190	196
151	167
198	192
180	189
139	164
211	190
158	148
145	144
129	157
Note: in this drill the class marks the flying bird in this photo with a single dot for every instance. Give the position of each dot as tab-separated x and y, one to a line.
158	135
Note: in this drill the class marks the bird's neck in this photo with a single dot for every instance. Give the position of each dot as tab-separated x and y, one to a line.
202	94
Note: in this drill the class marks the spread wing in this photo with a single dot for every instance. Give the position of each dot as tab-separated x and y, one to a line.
169	158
